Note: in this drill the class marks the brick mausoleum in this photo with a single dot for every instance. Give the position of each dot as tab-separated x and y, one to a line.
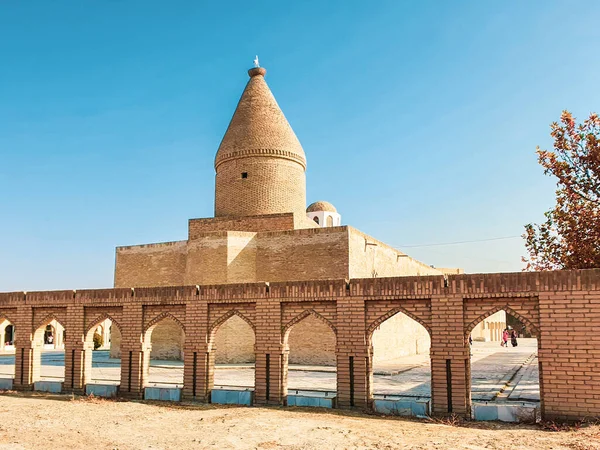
263	231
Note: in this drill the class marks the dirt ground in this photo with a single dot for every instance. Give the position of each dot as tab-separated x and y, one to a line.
31	421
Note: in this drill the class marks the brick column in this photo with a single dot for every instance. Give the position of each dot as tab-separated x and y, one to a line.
204	362
450	359
268	381
352	354
285	357
199	361
87	355
134	355
24	375
74	350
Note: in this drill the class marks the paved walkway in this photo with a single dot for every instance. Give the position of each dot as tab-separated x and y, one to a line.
498	374
505	373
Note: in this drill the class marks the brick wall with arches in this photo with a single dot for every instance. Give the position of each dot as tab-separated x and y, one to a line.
562	308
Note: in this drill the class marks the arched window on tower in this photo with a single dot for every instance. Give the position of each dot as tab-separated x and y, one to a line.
316	219
329	221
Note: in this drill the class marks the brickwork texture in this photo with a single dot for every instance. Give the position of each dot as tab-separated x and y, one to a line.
562	307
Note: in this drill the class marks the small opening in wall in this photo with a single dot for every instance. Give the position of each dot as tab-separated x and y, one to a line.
244	174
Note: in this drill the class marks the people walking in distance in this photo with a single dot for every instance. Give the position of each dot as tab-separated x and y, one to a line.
513	338
504	342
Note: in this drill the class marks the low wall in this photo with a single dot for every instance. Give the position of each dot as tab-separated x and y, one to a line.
562	308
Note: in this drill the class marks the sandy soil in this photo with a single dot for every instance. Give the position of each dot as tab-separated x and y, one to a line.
30	421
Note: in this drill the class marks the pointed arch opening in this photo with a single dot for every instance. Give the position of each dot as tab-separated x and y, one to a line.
164	340
400	361
491	316
310	362
48	356
7	347
231	344
503	367
168	337
99	367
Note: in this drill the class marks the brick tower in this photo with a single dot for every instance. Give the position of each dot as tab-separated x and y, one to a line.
260	165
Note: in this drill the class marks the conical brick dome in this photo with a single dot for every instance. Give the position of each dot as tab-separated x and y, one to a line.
260	163
258	126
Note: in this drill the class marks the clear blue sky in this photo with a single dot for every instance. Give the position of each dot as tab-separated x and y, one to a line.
419	120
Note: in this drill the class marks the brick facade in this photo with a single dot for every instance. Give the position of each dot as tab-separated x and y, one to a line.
562	307
240	255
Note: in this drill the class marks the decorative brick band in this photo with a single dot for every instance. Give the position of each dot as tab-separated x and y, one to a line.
269	152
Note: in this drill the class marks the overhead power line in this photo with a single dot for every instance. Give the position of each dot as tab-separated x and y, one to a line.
459	242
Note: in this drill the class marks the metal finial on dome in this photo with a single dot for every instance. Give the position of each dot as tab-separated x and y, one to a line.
257	70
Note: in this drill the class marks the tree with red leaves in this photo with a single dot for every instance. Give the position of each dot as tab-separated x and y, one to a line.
570	236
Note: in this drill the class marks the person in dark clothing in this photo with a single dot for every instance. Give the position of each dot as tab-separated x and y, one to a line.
513	338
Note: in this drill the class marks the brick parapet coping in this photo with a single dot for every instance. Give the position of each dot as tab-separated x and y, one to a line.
472	285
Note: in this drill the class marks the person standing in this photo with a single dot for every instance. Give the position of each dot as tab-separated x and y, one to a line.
513	338
504	342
